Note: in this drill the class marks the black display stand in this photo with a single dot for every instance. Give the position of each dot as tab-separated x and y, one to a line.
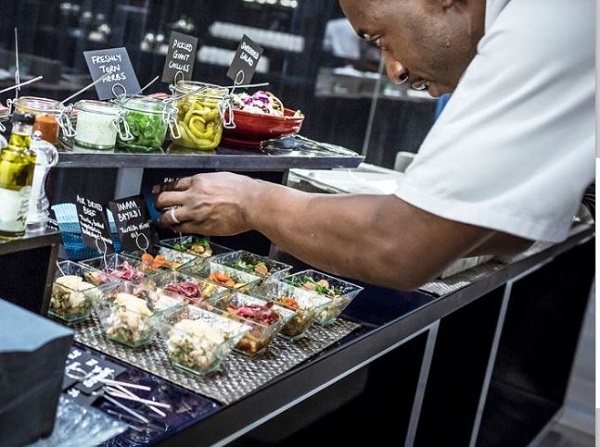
28	265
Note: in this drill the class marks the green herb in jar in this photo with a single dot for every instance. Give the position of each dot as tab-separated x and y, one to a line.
146	125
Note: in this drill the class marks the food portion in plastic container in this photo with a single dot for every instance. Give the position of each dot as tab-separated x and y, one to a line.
222	275
122	267
305	303
198	340
263	266
340	292
72	292
162	258
197	246
188	289
264	317
126	318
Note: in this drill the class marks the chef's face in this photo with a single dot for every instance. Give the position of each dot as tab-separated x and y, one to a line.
432	41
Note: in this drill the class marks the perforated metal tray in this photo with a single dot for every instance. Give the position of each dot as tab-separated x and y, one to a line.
238	376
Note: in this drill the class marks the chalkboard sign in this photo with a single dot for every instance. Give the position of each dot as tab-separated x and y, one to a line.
95	231
245	61
83	372
181	56
115	64
134	224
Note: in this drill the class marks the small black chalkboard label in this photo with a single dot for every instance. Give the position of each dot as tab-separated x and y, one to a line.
95	230
84	370
245	61
134	224
179	65
115	64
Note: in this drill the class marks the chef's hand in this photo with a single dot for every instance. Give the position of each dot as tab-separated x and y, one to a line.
212	204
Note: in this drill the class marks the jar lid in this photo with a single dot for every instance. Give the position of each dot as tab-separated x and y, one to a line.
183	87
34	104
142	104
93	106
23	118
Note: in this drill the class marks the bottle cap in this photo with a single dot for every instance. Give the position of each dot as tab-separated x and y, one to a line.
22	117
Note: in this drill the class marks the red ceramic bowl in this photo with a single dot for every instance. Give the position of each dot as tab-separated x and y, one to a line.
252	128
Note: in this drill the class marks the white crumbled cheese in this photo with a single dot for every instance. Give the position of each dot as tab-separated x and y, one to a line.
133	303
200	329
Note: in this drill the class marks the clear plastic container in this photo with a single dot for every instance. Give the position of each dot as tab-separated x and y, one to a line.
73	292
125	317
222	275
339	292
269	269
189	289
146	119
199	115
198	340
96	127
264	318
307	305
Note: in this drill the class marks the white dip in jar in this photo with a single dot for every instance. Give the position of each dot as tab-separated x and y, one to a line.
96	127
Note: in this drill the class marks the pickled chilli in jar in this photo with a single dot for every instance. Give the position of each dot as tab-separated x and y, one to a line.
199	118
46	112
96	126
147	123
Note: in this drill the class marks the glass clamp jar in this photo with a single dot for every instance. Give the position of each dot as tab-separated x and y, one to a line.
199	114
4	117
97	125
144	120
46	112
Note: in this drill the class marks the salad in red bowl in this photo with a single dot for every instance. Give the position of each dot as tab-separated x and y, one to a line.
258	117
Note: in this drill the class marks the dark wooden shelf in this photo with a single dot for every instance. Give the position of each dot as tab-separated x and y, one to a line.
28	265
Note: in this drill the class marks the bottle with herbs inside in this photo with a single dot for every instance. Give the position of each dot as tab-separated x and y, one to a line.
17	164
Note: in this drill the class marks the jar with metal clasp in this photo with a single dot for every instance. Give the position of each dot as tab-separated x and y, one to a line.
4	119
97	125
200	110
46	112
146	120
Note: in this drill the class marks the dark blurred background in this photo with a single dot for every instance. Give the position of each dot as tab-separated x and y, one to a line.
342	94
